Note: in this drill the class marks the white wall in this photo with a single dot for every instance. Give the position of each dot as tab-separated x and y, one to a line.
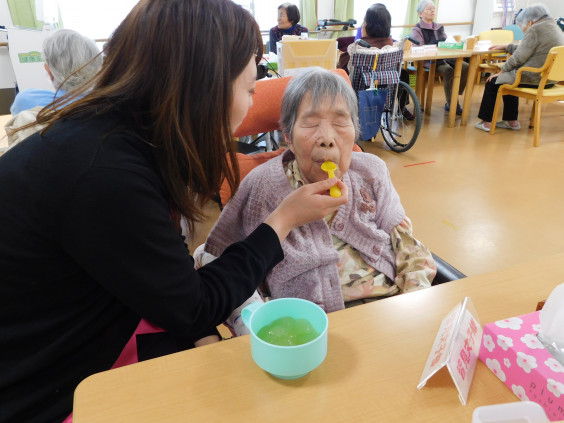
556	7
457	11
5	18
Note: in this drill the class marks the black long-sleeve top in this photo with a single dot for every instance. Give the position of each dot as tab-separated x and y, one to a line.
88	248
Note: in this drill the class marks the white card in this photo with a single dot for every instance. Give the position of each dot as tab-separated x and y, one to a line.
456	346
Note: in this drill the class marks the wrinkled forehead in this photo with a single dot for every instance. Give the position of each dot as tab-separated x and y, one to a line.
323	105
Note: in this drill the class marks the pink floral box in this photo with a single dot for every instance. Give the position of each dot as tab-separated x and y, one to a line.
511	349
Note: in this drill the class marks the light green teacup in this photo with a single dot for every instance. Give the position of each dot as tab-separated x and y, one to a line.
287	362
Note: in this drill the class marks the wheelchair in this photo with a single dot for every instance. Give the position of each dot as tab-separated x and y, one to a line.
380	68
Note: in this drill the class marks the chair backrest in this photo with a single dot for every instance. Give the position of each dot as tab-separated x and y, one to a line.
556	72
387	70
264	114
517	31
388	61
497	36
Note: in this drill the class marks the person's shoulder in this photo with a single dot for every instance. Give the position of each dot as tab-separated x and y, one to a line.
366	163
262	165
105	141
378	42
30	98
302	28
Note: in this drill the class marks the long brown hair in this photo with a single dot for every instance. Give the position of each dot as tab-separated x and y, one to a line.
168	71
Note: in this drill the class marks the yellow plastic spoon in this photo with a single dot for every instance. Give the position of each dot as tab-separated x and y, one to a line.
330	168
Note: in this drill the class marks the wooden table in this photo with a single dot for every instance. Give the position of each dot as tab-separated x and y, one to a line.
420	58
459	55
376	353
472	69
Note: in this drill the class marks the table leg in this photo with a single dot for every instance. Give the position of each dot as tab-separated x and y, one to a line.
430	86
420	86
454	96
472	68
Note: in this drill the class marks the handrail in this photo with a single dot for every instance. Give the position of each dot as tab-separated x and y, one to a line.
266	31
445	24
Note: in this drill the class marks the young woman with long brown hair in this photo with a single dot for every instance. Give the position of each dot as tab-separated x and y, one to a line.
90	251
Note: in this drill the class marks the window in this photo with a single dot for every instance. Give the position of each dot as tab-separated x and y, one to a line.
504	5
264	11
94	19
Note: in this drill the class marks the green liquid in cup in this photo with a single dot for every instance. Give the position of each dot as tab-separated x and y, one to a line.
287	331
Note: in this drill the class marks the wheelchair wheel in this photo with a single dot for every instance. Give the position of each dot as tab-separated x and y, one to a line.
399	133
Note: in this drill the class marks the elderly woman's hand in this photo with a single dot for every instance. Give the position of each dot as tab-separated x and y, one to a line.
492	76
306	204
498	47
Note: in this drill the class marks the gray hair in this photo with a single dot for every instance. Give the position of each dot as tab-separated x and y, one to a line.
423	5
321	85
66	52
533	13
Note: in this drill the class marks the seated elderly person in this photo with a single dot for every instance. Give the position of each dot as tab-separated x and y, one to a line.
288	18
429	32
375	30
541	34
71	60
366	250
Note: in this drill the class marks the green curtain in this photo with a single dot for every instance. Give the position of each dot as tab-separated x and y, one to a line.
344	10
23	14
308	13
411	15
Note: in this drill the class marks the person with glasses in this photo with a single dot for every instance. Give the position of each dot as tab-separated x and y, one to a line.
288	18
429	32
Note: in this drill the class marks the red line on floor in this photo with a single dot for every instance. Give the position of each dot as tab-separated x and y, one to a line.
417	164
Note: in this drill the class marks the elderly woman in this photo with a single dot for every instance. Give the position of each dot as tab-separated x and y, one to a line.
288	18
429	32
541	34
65	53
366	249
71	60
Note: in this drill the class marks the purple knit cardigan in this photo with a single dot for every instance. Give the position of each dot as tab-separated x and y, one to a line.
309	268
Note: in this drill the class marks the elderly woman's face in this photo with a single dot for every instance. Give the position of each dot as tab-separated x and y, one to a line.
322	132
283	21
428	14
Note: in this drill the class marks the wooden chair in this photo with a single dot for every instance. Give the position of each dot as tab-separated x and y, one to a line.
552	70
487	62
